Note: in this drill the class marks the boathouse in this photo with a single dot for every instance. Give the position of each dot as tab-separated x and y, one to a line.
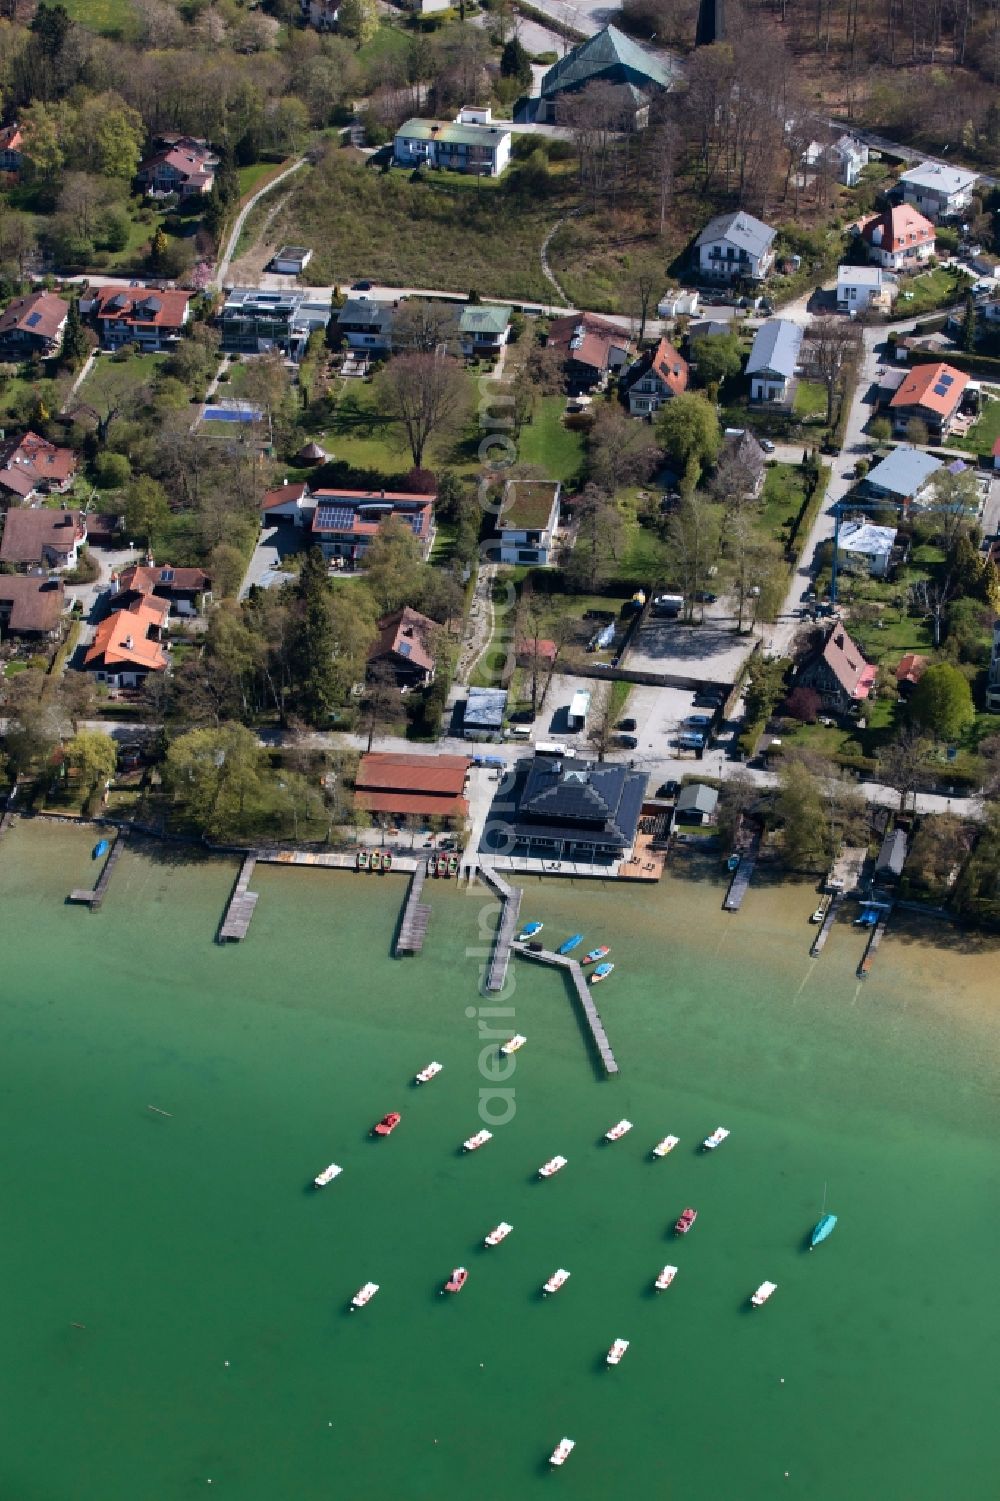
583	811
401	785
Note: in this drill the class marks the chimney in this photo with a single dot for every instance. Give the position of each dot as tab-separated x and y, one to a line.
838	640
128	643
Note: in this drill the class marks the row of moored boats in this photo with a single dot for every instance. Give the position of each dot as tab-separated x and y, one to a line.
597	957
373	859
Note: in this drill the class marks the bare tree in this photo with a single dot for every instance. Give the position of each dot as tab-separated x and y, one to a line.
424	327
693	535
834	345
902	764
427	394
381	704
598	539
930	598
621	452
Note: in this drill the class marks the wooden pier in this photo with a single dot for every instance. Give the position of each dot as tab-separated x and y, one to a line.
416	916
585	995
877	934
827	923
94	898
240	908
510	897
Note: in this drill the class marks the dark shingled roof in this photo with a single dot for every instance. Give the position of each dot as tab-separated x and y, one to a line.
596	802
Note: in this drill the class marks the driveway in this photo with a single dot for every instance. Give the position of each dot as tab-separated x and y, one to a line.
94	598
273	545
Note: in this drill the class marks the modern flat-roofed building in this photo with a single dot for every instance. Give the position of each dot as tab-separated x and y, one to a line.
254	321
484	712
529	516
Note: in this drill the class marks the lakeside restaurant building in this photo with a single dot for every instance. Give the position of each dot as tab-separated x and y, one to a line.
568	809
400	785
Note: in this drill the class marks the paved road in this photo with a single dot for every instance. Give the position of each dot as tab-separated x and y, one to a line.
222	270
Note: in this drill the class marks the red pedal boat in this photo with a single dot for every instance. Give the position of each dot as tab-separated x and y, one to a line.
457	1281
387	1124
687	1219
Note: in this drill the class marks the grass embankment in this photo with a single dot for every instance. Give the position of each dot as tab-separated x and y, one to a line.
440	232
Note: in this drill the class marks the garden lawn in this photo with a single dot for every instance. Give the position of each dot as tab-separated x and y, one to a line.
810	399
111	378
555	448
931	290
781	501
108	17
982	436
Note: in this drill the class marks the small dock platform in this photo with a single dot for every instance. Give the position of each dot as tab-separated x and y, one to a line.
585	995
95	897
875	938
740	883
240	908
824	932
415	918
510	897
845	872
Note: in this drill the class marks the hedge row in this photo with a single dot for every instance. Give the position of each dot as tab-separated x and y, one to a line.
986	366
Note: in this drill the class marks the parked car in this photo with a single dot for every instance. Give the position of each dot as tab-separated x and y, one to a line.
668	789
362	286
626	724
699	721
627	742
705	597
766	445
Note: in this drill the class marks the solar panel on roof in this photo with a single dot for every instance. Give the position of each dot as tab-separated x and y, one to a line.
334	516
946	380
32	319
940	390
405	647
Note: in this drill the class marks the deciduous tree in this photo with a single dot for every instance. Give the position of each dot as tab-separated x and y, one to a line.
688	428
427	394
942	702
94	757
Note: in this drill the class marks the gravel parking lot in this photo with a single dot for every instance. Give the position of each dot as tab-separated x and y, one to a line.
711	652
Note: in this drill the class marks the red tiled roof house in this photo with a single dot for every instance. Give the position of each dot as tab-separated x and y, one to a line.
405	643
31	466
11	141
33	325
837	671
133	315
655	379
899	239
127	645
934	394
185	166
345	521
182	588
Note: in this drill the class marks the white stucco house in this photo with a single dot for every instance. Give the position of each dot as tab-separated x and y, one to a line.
471	143
861	287
735	247
939	192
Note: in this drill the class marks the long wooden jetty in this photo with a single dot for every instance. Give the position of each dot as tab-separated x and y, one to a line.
93	898
240	908
585	996
828	921
877	934
510	898
416	916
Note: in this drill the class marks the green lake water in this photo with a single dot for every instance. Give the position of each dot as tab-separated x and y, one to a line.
214	1284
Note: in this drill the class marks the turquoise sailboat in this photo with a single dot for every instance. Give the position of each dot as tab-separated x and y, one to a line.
823	1230
824	1226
